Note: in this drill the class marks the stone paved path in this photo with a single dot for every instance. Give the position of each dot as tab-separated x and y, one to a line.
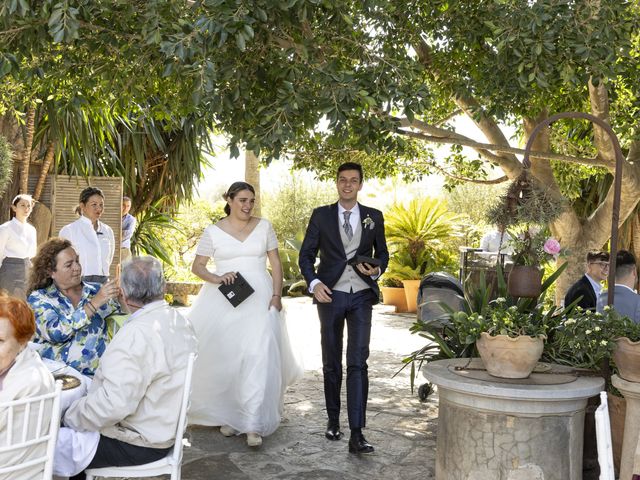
402	429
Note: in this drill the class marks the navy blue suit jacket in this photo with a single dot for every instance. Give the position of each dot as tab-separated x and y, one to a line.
582	288
323	236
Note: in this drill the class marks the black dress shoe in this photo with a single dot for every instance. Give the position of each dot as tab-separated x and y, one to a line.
358	444
333	431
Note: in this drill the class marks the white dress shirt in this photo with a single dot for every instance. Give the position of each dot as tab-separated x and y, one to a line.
496	241
354	219
17	240
95	247
597	286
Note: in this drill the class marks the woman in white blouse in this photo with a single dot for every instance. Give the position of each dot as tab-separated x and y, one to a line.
92	239
18	244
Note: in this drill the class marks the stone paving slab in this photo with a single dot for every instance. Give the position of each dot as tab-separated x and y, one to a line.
401	428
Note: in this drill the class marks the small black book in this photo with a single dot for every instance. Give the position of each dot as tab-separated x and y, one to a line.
236	292
353	261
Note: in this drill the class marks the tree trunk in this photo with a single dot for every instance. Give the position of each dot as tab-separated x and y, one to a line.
26	151
252	176
10	129
46	164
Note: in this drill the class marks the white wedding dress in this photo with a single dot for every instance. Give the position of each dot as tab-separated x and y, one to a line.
245	361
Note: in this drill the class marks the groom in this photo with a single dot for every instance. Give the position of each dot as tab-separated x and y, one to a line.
342	292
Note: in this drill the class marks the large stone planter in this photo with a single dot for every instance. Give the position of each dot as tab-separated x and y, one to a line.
507	357
525	281
626	356
509	430
394	296
411	293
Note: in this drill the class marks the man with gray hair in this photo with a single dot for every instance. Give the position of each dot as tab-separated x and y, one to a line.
134	400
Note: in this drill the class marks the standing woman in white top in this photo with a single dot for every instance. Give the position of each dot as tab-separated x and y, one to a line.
18	244
92	239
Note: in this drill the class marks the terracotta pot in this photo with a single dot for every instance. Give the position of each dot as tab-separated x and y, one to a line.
507	357
525	281
394	296
411	293
626	356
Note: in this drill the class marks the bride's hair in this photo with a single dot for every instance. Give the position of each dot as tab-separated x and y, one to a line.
233	190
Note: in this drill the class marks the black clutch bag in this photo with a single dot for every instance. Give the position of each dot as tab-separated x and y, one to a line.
236	292
353	261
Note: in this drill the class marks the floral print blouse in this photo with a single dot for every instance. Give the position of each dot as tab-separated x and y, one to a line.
66	332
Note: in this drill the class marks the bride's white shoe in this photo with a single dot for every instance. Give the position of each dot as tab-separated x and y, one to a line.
254	440
227	431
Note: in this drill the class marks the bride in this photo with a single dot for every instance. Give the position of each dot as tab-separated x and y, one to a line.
244	362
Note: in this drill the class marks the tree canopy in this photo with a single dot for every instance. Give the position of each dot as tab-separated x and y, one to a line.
325	80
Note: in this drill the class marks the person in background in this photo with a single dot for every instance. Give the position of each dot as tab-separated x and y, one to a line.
70	314
22	375
135	397
18	244
589	285
497	240
625	299
92	239
128	227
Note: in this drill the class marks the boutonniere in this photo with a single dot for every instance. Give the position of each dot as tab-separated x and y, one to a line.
368	223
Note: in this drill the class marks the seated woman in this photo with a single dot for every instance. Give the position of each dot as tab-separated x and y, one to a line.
70	314
22	375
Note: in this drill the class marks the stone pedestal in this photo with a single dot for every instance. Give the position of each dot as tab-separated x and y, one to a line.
631	392
521	430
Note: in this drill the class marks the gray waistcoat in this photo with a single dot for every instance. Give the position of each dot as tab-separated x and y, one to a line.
350	281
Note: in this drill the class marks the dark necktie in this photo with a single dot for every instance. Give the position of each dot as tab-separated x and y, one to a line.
347	226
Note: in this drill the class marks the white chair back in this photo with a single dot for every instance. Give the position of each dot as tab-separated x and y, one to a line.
28	431
603	436
176	457
172	463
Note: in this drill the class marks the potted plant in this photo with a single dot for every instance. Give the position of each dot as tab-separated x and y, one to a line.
455	333
532	250
509	337
626	344
528	208
393	293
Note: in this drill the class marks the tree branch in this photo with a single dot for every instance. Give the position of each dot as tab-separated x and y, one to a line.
457	139
494	181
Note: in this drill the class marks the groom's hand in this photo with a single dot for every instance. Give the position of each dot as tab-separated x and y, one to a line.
322	293
367	269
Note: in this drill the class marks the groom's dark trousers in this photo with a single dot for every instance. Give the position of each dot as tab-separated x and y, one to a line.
323	237
356	309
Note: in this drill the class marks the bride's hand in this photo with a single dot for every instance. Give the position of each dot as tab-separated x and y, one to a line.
276	302
227	278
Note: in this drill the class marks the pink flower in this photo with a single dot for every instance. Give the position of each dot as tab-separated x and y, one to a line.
552	246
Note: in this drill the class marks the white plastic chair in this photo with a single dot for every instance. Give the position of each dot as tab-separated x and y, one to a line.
30	433
172	463
603	436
